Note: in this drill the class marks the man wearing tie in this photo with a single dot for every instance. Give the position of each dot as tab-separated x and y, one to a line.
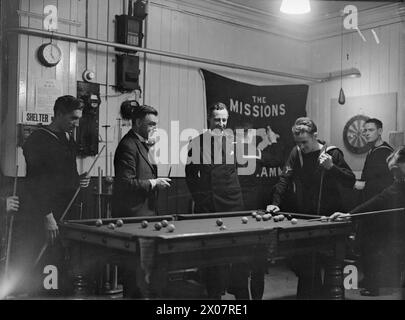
212	178
136	178
136	185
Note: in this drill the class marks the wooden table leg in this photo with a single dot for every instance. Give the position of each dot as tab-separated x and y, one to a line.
333	283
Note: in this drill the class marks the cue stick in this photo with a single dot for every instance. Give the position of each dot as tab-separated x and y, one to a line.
368	213
10	229
45	246
100	190
170	170
78	189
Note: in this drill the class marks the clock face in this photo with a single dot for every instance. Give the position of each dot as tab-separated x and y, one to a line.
49	54
353	135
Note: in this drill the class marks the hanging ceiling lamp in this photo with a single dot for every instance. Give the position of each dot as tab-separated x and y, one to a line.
342	98
295	6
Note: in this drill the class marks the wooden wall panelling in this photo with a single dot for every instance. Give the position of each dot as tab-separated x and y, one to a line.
72	88
50	73
62	68
9	97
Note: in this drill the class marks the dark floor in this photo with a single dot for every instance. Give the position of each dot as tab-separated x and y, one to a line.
280	284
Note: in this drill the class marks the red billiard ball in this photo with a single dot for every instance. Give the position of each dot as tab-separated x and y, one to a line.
158	226
111	226
245	220
276	218
165	223
281	217
219	222
99	222
144	224
258	217
294	221
119	223
266	217
254	214
222	228
171	228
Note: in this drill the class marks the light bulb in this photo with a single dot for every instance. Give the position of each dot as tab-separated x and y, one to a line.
295	6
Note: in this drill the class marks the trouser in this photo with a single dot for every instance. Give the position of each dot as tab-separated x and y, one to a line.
381	264
239	280
49	275
257	280
139	283
215	280
308	270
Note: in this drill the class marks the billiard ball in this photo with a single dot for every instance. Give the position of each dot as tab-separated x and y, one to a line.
222	228
266	217
144	224
276	218
219	222
254	214
294	221
119	223
171	227
99	222
281	217
245	220
164	223
324	219
111	226
259	217
158	226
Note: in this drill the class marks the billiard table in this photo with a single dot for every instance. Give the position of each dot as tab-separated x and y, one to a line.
199	241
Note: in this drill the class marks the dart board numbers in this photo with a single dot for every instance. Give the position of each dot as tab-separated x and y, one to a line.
353	135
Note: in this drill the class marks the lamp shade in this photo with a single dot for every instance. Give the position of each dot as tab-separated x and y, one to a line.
342	97
295	6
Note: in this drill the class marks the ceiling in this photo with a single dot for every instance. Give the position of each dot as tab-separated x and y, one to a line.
320	9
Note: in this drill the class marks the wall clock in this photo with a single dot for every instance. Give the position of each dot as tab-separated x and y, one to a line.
49	54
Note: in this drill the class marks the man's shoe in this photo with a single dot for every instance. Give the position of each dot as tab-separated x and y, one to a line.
369	292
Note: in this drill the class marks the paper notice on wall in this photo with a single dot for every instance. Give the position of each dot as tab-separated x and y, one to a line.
46	92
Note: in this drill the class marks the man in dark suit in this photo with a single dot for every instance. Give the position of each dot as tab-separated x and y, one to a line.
211	176
136	180
135	187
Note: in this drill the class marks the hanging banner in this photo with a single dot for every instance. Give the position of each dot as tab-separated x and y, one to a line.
271	111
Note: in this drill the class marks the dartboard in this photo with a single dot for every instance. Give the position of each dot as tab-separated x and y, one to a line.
353	136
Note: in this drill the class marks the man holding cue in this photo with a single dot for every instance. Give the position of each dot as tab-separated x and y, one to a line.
51	181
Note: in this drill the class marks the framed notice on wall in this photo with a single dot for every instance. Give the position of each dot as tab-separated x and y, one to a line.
348	120
46	92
